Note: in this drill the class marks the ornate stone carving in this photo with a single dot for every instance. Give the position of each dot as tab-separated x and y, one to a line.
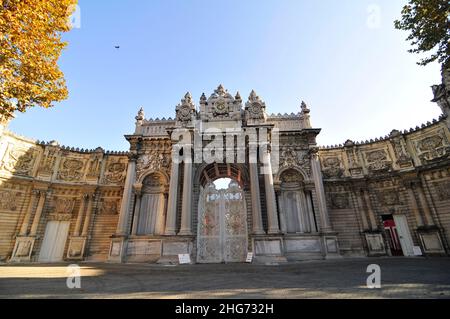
71	170
292	158
115	172
398	143
255	108
9	200
389	197
378	161
433	147
94	164
291	176
220	105
442	190
110	207
48	161
332	167
185	111
354	165
152	161
63	208
340	201
19	161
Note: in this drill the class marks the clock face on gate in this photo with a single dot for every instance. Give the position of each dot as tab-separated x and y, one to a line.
255	109
221	107
185	111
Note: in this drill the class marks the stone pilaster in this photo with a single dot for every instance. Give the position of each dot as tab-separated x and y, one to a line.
27	218
320	191
118	242
80	215
172	201
126	199
38	214
256	204
137	209
186	211
271	204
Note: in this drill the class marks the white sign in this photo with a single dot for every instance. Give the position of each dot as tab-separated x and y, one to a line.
184	259
417	251
249	258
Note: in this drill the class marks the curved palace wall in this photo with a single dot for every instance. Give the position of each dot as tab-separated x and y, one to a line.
405	173
66	179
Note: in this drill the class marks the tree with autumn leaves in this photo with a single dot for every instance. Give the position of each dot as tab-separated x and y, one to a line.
428	23
30	46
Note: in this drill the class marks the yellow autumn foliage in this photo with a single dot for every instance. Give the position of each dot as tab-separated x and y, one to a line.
30	46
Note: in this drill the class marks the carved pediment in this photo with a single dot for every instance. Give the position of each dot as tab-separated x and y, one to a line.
221	105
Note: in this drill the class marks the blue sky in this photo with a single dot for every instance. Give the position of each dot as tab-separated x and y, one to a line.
349	64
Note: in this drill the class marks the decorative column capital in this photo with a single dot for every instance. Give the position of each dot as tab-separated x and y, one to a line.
137	189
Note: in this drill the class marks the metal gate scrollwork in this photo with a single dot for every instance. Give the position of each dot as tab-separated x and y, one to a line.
222	227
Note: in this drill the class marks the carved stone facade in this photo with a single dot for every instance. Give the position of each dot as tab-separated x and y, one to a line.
296	201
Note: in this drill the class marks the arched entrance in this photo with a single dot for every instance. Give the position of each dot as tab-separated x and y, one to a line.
222	234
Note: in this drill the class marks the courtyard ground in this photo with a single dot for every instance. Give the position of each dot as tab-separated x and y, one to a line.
343	278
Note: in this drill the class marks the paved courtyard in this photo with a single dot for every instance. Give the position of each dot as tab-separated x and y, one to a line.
344	278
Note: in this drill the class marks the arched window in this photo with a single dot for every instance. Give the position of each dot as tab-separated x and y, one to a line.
151	218
295	204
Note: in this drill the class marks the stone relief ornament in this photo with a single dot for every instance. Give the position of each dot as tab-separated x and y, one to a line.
332	167
152	161
433	147
291	176
340	201
220	105
64	205
110	207
48	161
71	170
115	172
63	208
389	198
442	190
185	111
292	158
398	143
378	161
9	200
20	161
94	164
255	108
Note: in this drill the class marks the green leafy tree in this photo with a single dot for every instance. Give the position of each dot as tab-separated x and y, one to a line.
429	26
30	46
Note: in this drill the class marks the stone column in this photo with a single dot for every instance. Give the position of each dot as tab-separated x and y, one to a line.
87	220
426	209
360	208
37	216
76	232
414	205
256	197
281	199
27	218
126	198
271	205
372	219
137	211
320	191
159	226
186	211
173	193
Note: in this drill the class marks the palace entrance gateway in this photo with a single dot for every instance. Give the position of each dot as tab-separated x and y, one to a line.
222	225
